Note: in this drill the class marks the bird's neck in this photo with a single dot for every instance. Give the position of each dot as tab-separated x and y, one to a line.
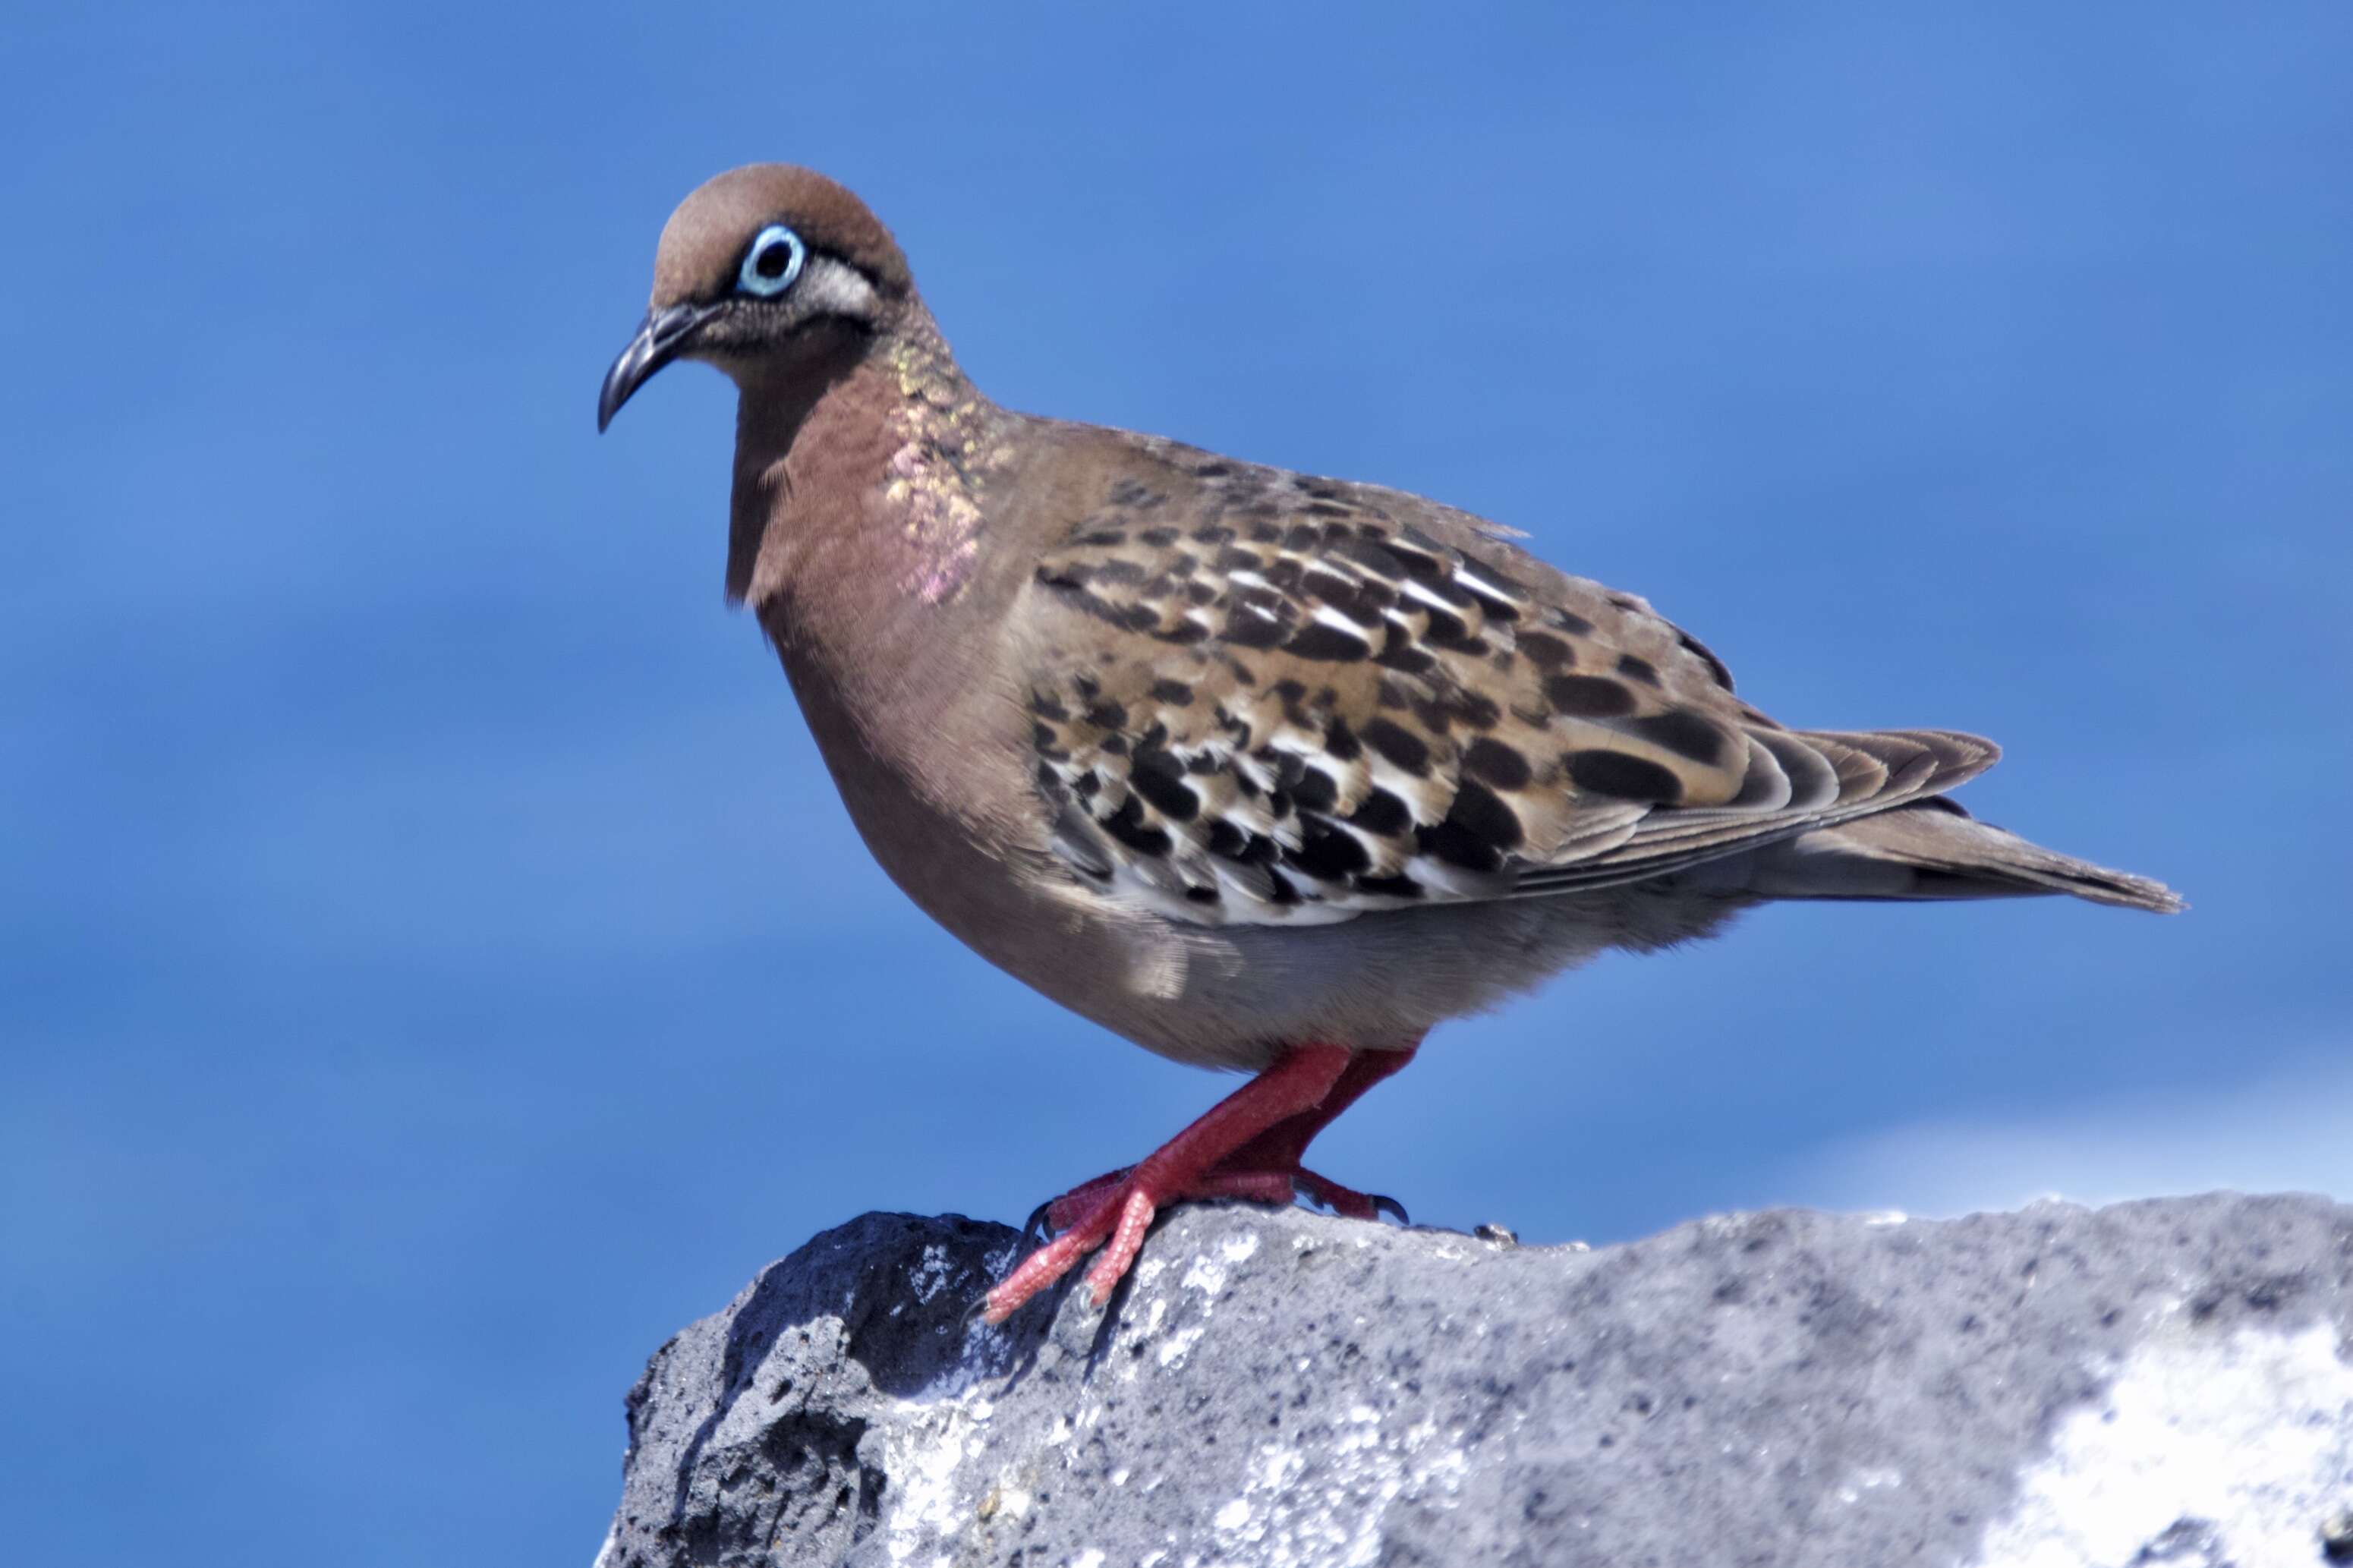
857	529
851	432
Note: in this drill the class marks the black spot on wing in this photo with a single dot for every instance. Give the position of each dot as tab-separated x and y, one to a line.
1622	777
1588	697
1684	733
1126	825
1640	670
1480	812
1457	845
1249	627
1320	640
1370	556
1401	656
1403	748
1488	759
1315	790
1381	813
1399	886
1707	656
1159	778
1569	621
1546	651
1327	853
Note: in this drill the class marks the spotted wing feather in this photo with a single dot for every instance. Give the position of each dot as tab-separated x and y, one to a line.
1281	699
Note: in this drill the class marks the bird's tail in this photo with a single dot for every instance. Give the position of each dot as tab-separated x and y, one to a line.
1933	850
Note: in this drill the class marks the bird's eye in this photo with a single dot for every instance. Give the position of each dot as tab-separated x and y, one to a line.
772	262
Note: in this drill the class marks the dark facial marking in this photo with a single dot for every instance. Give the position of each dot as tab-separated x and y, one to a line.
1639	670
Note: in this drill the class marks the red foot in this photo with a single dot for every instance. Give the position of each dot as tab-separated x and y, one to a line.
1227	1179
1247	1146
1347	1201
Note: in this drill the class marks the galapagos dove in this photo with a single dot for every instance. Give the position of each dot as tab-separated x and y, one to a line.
1262	770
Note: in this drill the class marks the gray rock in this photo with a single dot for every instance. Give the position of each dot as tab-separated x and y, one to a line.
2158	1383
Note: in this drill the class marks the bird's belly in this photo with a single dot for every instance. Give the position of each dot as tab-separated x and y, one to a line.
1227	996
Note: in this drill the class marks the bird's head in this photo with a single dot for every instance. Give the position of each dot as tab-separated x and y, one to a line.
766	271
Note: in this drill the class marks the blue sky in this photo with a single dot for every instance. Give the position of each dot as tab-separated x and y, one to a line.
434	966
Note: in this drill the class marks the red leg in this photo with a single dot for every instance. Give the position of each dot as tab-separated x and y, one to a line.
1282	1146
1300	1081
1277	1150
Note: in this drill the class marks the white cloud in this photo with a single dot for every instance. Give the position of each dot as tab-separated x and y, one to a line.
2291	1131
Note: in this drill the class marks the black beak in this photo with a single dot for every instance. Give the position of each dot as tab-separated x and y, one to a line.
659	338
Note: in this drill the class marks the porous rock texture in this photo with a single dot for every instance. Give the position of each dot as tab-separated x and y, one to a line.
2162	1382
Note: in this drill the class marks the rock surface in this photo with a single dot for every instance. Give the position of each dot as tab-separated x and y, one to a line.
2158	1383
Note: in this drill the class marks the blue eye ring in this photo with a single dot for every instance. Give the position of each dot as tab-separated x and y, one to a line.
771	262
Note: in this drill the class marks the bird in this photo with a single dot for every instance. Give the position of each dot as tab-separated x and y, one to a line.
1262	770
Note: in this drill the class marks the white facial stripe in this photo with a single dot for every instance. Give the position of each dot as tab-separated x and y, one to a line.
830	288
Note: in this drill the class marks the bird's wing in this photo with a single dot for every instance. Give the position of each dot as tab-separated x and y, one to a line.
1275	698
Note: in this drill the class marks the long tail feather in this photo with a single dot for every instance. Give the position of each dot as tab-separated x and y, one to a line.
1935	851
